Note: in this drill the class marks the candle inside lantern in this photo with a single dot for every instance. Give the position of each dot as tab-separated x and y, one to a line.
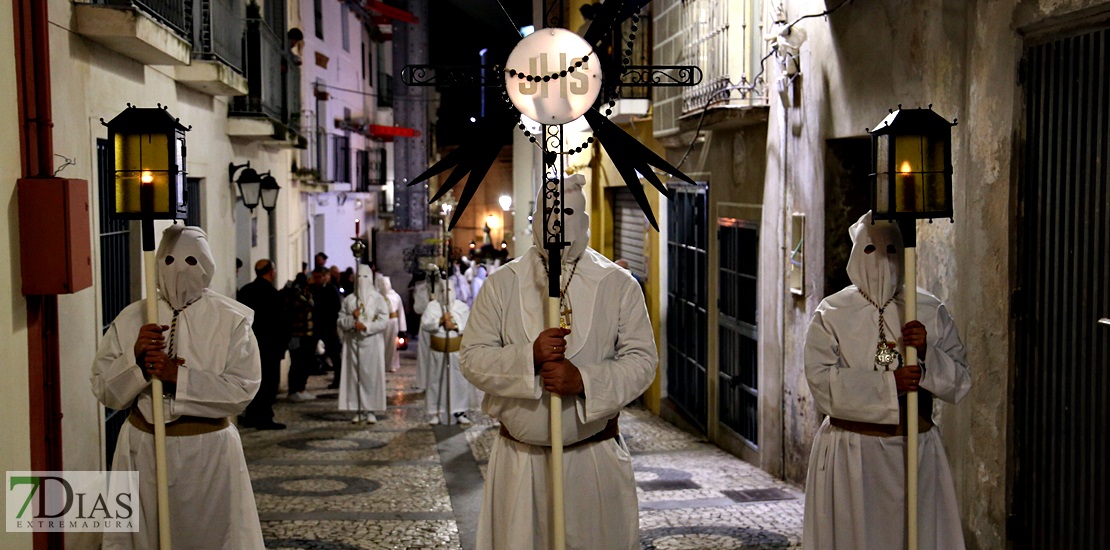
146	192
356	227
909	193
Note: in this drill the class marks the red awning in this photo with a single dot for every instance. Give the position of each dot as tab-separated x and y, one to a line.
387	133
391	12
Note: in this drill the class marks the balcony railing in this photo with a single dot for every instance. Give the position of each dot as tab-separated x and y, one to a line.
725	41
218	31
171	12
272	74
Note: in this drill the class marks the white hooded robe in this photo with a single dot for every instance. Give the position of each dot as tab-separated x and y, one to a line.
855	487
211	502
362	381
396	321
440	381
613	347
421	297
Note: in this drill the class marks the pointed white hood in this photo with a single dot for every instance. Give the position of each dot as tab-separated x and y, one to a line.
577	229
365	282
185	265
878	273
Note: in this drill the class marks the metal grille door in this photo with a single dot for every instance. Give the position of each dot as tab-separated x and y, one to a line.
1061	382
687	317
736	297
628	232
115	273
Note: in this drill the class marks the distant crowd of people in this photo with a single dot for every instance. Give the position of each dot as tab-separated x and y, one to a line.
350	324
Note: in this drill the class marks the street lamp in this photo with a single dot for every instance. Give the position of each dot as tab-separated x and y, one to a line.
149	175
249	182
269	192
911	180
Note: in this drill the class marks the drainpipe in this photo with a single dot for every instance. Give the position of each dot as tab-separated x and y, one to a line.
32	53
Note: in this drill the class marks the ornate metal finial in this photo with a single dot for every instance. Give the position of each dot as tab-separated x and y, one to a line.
899	106
930	108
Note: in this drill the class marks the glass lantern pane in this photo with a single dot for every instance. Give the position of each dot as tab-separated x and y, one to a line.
251	193
936	153
908	153
179	179
882	174
127	193
936	192
269	198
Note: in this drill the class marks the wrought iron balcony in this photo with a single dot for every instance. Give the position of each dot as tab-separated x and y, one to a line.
172	13
218	31
273	75
725	39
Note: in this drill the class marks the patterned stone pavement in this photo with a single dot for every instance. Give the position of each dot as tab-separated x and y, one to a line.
327	484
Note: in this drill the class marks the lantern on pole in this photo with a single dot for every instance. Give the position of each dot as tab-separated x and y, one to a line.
149	146
911	180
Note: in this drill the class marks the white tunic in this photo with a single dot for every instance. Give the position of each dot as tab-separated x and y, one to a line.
612	345
441	381
855	486
211	502
362	382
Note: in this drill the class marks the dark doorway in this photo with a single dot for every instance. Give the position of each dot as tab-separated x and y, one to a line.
847	197
737	320
1060	380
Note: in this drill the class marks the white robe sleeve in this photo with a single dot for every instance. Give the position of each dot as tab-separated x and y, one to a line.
116	379
420	298
946	373
224	392
493	366
859	394
614	383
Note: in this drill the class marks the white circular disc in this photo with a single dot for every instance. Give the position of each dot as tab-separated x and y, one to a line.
559	100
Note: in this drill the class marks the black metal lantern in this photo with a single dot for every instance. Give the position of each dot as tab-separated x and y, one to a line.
149	146
269	192
249	182
911	152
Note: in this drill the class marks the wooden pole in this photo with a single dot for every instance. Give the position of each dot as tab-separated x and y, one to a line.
911	404
159	420
559	519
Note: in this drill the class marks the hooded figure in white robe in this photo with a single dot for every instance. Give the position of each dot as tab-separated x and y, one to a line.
448	394
421	297
219	370
480	275
855	488
362	382
461	286
396	321
612	348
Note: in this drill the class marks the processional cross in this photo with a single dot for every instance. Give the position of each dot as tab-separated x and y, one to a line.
553	77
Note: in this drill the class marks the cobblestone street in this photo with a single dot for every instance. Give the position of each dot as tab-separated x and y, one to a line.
327	484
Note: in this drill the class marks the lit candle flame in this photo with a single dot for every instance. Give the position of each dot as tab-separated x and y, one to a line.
147	177
906	168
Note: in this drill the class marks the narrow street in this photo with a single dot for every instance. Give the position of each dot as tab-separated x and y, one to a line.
327	484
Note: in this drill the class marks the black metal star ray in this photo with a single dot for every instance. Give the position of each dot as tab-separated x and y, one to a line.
473	158
631	156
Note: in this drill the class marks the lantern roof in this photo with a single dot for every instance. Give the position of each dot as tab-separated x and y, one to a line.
145	119
912	121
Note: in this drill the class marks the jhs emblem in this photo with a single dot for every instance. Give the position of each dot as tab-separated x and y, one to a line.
887	354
